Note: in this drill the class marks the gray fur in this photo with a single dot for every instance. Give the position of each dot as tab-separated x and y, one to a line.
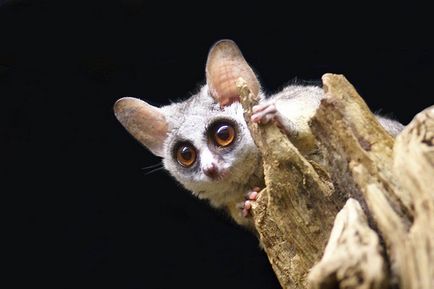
392	126
189	119
240	165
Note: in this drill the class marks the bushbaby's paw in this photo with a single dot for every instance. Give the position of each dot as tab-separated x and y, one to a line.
266	112
251	196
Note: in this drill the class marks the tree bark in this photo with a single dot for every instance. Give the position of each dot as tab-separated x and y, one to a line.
353	256
393	246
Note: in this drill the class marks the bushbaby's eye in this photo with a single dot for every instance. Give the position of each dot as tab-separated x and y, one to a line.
223	134
186	154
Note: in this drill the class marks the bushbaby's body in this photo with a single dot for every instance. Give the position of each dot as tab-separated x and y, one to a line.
204	141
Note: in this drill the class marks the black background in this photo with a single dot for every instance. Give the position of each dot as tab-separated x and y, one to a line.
83	213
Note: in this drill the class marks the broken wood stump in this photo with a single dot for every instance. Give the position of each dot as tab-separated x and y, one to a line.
363	217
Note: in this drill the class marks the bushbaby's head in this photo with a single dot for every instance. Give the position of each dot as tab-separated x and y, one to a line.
204	141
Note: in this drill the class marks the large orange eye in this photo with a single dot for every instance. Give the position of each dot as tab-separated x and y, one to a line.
223	134
186	155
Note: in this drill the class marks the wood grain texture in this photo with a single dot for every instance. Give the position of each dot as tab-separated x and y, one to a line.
391	183
295	213
353	256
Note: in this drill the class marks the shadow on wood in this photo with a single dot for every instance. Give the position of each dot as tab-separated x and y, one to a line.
295	213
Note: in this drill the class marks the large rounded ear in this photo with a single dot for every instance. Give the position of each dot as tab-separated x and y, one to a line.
143	121
224	66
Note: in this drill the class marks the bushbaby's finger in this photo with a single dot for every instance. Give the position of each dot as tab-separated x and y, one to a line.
246	209
253	196
265	115
260	107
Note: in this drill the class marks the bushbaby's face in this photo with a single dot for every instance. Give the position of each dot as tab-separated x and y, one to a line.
204	141
210	150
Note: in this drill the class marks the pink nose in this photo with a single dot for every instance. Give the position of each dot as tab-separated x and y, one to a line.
211	170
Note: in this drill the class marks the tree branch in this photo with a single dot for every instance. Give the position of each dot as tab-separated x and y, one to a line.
294	214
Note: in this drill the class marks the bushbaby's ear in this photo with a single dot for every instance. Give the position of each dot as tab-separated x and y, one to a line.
224	66
143	121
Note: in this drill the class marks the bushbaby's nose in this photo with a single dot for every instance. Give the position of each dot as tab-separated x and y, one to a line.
211	170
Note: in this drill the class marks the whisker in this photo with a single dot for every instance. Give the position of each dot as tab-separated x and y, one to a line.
154	170
152	166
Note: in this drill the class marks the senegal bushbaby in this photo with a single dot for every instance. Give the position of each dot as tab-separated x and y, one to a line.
204	141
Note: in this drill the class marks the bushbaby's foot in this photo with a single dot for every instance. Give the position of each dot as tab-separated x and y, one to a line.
251	196
266	112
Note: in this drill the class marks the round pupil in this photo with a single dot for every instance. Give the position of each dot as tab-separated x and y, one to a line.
186	153
223	133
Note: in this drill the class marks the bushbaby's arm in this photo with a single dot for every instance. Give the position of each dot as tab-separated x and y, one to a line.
292	109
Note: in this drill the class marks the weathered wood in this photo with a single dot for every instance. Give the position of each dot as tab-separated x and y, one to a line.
390	181
295	212
358	149
414	167
394	184
352	258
